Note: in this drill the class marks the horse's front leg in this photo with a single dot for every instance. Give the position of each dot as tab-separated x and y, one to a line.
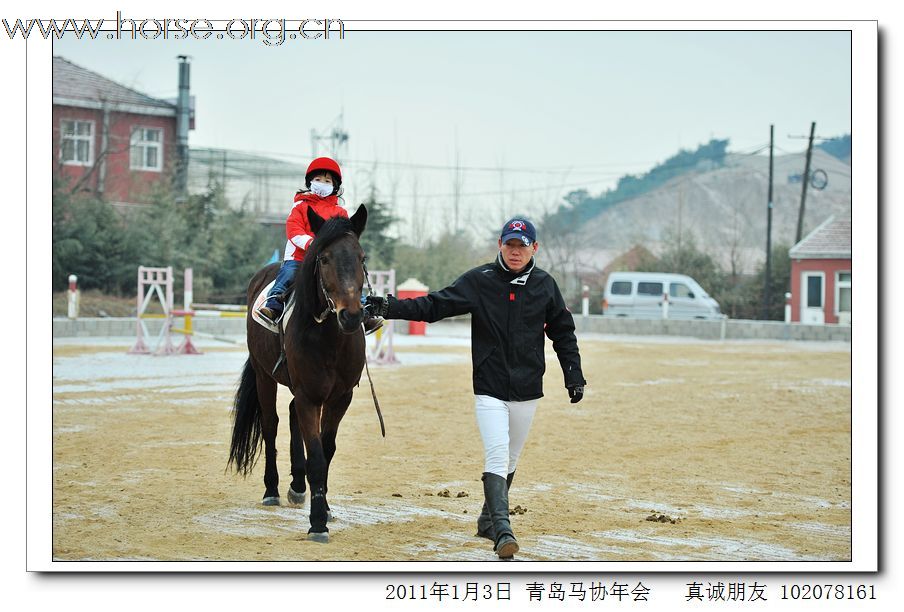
298	487
333	411
308	416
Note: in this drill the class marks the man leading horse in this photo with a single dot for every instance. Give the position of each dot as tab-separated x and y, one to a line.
512	303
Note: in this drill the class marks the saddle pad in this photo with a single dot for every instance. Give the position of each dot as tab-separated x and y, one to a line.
259	301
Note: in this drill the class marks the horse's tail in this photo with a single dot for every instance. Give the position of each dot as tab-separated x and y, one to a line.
246	428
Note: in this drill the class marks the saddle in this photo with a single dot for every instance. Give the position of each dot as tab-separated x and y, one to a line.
287	311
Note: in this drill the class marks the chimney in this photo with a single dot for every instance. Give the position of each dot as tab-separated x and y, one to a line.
183	116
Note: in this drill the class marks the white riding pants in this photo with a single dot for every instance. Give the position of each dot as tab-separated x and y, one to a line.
504	427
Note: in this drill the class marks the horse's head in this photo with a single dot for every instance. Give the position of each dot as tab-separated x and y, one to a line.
340	266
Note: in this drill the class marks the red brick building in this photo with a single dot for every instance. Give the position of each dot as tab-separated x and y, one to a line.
109	139
821	274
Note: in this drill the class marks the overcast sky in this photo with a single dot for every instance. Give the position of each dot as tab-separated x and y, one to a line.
528	116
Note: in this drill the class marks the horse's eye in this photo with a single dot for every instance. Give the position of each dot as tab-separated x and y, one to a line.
324	260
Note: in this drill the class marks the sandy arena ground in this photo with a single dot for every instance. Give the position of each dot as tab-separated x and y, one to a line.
741	450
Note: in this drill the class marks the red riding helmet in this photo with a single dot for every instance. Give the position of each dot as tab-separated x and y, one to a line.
319	165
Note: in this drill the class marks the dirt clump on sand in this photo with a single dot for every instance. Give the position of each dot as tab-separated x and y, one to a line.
663	518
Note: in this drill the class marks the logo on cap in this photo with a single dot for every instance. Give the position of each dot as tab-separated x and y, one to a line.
519	228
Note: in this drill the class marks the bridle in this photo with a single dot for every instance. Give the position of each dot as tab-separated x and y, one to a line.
331	309
330	304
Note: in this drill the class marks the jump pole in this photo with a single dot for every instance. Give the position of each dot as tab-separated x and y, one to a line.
187	347
160	284
140	347
191	310
168	348
381	351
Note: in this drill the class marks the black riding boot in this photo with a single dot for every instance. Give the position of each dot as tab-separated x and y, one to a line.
371	323
484	522
496	492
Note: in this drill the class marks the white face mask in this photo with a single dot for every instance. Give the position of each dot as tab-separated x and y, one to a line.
322	189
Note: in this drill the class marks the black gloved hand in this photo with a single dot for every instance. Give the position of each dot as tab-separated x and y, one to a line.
576	393
376	305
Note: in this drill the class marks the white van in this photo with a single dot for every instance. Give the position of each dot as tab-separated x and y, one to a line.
640	295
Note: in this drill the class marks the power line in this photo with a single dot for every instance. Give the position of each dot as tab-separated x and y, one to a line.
582	169
256	158
492	193
254	165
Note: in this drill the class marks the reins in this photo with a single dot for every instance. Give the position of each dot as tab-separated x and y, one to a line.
331	309
374	394
370	291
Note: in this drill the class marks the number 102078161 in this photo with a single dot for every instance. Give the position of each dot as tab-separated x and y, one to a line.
828	591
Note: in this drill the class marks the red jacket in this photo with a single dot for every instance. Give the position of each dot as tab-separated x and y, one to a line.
298	230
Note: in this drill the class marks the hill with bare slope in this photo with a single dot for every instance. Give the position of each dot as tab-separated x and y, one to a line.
723	210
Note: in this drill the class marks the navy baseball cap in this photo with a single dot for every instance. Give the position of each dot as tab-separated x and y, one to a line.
519	227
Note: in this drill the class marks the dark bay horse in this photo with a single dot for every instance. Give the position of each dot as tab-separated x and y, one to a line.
324	358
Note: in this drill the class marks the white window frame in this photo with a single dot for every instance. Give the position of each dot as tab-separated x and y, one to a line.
144	145
76	138
822	288
805	293
839	285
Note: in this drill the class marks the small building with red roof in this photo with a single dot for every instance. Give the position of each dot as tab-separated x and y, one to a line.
821	274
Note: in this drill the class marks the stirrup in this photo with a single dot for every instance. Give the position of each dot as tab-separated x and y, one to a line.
266	313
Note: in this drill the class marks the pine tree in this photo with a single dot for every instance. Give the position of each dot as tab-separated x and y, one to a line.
376	241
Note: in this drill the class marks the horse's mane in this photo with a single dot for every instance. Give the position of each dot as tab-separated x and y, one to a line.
307	290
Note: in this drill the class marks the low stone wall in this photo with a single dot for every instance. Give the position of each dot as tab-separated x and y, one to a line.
125	326
730	329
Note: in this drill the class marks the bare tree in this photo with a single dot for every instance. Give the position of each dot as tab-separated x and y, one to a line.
457	181
108	147
418	221
394	173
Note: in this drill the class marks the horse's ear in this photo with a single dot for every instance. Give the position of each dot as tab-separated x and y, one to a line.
315	220
359	220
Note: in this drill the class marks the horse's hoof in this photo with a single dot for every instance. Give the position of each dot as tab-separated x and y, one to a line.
319	536
271	501
296	498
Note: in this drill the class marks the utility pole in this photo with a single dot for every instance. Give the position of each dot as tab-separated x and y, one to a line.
766	292
806	181
680	210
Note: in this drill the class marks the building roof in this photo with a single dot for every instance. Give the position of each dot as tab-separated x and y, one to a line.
629	260
80	87
831	240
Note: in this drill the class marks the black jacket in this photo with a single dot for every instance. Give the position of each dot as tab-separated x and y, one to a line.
509	315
